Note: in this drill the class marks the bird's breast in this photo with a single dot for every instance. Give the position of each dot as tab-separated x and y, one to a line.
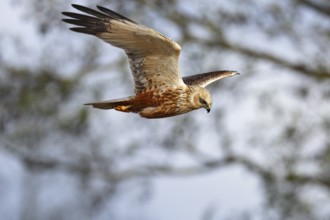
164	103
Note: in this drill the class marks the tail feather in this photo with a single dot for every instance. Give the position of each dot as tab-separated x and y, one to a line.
111	104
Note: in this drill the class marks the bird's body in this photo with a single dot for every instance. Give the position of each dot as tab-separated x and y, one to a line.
160	91
158	103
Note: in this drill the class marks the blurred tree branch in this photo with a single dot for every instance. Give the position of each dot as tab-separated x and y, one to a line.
319	7
211	165
220	41
298	68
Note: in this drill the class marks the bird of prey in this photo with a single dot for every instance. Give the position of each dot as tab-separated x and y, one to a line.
160	91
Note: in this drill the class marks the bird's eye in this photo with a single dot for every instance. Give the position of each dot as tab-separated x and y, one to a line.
202	101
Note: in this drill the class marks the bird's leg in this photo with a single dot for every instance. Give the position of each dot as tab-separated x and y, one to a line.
123	108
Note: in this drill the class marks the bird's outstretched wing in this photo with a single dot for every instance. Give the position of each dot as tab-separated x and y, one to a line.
153	57
205	79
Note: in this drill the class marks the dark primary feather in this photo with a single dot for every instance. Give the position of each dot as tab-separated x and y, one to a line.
204	79
106	15
81	16
113	14
95	24
89	11
87	24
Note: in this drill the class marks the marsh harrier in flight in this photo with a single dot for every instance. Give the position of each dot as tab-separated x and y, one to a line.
160	91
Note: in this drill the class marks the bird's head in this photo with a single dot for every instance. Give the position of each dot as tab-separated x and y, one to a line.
202	99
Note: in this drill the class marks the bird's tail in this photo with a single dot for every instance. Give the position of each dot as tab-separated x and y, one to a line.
123	104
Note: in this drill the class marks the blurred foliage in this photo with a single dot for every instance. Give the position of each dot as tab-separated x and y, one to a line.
279	107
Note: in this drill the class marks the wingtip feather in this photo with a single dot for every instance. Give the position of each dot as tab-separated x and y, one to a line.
77	6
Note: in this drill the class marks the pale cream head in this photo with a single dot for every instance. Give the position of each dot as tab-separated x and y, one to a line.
201	98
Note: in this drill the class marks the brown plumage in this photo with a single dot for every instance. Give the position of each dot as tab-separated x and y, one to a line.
160	90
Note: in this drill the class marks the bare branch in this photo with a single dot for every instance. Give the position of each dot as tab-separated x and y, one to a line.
165	170
300	67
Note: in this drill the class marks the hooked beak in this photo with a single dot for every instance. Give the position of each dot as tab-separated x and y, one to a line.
208	109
